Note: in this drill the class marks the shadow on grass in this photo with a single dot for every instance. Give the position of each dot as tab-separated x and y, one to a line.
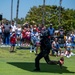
44	67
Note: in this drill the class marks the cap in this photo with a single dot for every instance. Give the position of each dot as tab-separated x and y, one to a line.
50	24
34	28
61	27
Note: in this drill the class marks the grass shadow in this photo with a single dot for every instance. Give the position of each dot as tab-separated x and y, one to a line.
29	66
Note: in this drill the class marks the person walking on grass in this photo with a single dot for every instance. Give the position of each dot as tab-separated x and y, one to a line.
13	42
45	47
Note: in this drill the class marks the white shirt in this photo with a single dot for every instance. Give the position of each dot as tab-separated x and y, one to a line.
0	29
18	30
13	28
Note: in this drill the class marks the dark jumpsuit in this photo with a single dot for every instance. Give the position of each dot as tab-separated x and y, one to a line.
45	47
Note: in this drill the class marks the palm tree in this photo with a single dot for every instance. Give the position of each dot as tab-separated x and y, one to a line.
43	16
17	11
11	10
60	12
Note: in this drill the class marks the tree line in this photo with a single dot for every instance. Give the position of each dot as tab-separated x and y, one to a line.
51	15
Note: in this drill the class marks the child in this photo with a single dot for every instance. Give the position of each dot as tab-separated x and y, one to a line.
12	41
68	49
55	47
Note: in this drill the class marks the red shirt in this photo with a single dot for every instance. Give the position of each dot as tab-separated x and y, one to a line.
27	33
24	34
13	39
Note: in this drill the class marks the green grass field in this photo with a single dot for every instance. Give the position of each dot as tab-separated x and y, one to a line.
22	63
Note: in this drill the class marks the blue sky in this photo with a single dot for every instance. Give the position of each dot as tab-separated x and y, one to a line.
25	5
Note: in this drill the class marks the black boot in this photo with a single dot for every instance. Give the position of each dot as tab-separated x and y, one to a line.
61	60
37	69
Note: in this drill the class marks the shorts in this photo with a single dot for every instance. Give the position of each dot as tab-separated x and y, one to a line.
23	39
56	50
13	44
38	43
27	38
68	49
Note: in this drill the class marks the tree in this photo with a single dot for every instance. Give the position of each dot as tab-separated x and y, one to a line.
52	16
19	21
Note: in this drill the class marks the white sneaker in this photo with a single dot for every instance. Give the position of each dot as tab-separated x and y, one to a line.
30	51
64	54
34	51
68	56
71	53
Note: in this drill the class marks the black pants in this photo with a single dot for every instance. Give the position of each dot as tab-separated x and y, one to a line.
6	39
44	54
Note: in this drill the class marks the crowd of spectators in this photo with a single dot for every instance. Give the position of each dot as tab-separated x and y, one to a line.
29	36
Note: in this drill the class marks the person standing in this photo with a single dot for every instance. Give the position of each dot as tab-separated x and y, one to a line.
13	40
1	34
34	40
51	32
61	37
13	28
6	32
18	34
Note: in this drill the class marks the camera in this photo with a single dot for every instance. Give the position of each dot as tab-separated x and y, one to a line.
44	34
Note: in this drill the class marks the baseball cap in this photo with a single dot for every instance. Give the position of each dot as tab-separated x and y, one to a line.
50	24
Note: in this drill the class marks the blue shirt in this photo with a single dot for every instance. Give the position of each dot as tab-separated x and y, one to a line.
51	31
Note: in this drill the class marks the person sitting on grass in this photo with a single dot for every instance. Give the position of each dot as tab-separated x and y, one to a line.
12	41
56	47
68	49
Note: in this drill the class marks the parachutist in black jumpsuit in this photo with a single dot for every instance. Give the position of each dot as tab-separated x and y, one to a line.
45	47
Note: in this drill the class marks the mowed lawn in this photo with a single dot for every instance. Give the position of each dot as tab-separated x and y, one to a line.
22	63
